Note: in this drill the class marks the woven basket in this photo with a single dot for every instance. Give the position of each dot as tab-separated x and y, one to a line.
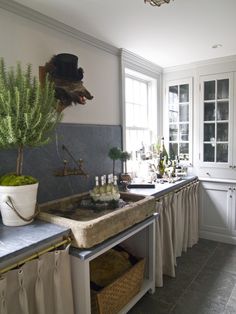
111	299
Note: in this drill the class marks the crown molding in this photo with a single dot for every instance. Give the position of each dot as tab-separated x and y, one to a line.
136	62
47	21
198	64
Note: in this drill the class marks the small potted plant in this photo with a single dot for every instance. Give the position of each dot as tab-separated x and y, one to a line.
124	157
114	153
28	116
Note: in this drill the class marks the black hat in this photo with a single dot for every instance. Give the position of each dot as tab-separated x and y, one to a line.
66	67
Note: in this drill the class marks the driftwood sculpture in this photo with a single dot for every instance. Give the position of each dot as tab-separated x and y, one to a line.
69	88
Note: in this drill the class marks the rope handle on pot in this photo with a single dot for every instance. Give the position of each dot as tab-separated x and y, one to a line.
9	202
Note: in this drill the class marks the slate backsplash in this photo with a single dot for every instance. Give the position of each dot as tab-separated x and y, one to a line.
89	142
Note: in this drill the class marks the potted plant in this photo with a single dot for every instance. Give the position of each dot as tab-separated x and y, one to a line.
124	156
114	154
27	118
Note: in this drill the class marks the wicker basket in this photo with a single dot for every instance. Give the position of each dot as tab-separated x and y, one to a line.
112	298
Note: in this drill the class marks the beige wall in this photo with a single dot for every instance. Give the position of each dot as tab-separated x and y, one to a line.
29	42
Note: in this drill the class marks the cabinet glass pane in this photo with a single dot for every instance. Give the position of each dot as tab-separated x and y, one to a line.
223	89
173	150
222	152
184	132
223	110
183	151
173	113
209	90
209	111
184	93
222	132
184	113
209	132
209	153
173	132
173	94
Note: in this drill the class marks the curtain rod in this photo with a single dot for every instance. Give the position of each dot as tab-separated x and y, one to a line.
177	190
35	255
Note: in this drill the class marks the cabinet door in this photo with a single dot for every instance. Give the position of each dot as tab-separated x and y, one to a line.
215	208
216	120
233	210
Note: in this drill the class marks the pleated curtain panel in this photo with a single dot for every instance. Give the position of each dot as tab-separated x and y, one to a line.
40	286
176	228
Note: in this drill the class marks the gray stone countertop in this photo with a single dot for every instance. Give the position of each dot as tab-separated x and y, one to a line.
163	188
17	240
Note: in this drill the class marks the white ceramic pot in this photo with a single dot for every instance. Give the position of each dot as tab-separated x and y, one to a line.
24	198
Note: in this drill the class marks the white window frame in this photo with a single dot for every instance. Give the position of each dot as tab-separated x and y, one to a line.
151	127
179	82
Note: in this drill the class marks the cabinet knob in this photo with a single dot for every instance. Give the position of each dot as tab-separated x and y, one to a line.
230	189
230	196
230	166
234	167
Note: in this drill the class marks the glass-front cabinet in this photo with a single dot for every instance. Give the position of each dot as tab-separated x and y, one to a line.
216	120
178	110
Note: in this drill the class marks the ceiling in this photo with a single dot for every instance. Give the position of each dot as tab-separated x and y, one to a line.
180	32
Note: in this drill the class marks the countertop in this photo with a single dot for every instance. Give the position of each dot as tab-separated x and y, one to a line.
163	188
15	241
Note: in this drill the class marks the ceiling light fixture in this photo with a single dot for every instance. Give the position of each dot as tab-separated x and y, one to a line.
215	46
157	3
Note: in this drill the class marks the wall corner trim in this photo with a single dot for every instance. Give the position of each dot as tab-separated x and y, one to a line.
136	62
49	22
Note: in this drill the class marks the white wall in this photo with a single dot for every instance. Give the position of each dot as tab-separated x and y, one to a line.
29	42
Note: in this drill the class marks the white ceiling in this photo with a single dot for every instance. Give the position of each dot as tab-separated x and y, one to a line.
180	32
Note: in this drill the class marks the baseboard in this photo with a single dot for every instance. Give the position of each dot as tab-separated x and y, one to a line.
217	237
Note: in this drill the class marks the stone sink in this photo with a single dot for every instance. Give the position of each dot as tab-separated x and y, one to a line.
90	226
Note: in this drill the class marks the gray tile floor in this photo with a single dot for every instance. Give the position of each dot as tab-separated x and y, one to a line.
205	283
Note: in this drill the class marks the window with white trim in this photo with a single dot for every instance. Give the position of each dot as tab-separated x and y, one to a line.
140	112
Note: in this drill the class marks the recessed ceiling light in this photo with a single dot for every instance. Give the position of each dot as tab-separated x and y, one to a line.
216	46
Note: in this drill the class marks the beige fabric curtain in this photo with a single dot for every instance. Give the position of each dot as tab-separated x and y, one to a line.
176	228
41	286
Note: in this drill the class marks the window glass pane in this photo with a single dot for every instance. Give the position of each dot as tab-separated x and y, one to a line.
129	114
173	150
209	90
173	94
222	132
222	152
209	153
223	110
143	94
209	111
184	113
128	90
173	113
223	89
184	151
173	132
184	93
209	132
184	132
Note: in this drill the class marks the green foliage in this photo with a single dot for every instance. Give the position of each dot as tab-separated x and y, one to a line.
27	110
114	153
11	179
124	156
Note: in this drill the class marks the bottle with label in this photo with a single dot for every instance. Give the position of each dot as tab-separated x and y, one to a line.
96	189
163	152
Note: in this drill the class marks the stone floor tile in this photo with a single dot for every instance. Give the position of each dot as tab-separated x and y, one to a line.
194	302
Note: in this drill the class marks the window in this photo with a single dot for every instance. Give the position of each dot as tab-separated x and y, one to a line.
140	114
178	115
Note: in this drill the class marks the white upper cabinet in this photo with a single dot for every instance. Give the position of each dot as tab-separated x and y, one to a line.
216	121
178	115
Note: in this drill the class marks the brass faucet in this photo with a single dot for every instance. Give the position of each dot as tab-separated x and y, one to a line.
68	171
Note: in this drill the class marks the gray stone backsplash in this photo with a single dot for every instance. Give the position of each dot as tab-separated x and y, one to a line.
89	142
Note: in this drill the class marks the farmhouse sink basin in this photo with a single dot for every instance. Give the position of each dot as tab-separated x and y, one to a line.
91	226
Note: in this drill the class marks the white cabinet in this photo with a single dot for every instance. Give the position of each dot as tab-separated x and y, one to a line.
216	120
218	211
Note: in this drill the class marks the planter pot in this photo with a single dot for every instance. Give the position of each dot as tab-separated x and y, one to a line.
21	198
